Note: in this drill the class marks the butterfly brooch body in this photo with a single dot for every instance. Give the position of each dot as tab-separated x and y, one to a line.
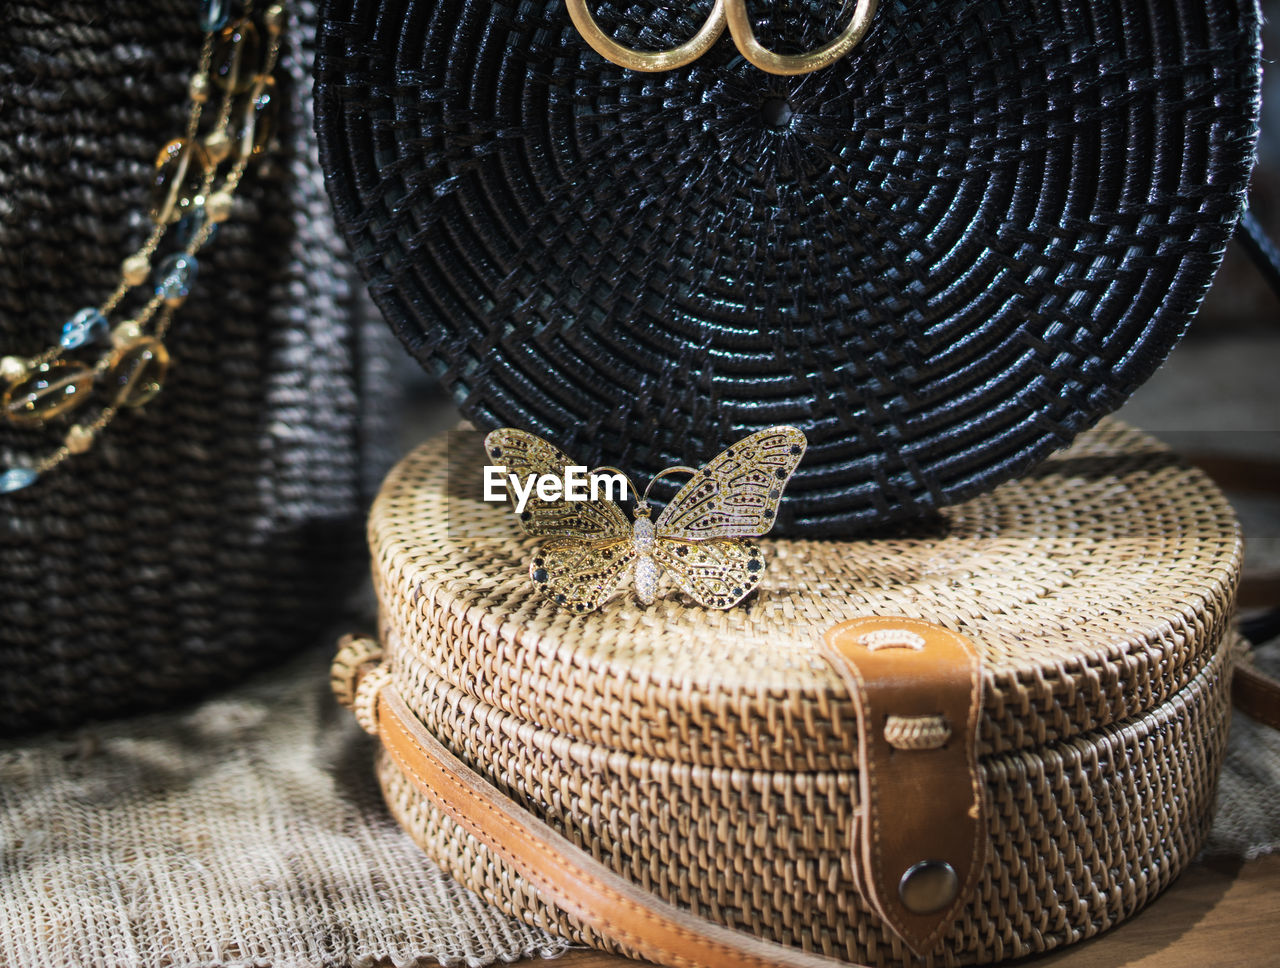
700	539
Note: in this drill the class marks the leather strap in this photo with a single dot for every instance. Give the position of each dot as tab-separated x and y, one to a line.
564	874
1256	694
921	802
1251	235
572	880
917	689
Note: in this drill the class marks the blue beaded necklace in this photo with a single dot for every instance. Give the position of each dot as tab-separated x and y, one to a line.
113	356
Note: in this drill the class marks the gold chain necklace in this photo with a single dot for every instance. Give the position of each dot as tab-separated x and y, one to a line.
120	358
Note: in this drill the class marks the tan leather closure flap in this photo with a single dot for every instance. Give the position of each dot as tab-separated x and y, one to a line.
917	688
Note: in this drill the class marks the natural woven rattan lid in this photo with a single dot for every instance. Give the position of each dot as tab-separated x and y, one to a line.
1096	588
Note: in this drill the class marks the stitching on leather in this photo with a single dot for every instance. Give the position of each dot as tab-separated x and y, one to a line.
586	876
975	695
870	811
975	698
979	795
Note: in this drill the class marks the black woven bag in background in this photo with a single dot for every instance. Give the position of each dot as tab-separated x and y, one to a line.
221	525
942	257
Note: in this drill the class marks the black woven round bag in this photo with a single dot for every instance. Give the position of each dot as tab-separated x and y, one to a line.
942	257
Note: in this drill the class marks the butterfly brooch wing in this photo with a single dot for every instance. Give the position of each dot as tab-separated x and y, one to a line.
701	535
715	574
592	545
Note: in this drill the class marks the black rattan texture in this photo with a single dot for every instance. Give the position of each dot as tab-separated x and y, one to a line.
941	258
218	527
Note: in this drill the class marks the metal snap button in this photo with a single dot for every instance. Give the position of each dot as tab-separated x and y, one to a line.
928	886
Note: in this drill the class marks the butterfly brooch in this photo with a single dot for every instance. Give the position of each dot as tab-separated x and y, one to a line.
699	539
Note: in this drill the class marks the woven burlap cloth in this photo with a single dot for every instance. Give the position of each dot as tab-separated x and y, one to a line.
249	830
1247	822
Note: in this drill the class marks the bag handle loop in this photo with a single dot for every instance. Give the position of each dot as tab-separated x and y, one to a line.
647	61
732	13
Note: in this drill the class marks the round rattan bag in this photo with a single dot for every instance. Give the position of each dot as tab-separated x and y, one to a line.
941	257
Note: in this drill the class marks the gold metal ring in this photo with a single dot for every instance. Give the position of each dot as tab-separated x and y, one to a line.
650	61
732	13
745	37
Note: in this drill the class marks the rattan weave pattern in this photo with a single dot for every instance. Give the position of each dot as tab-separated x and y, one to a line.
201	536
1082	832
706	755
1097	588
967	241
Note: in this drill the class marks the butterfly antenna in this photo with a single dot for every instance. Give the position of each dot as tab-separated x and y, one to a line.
630	483
661	474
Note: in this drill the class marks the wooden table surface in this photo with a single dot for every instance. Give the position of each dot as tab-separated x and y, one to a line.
1217	915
